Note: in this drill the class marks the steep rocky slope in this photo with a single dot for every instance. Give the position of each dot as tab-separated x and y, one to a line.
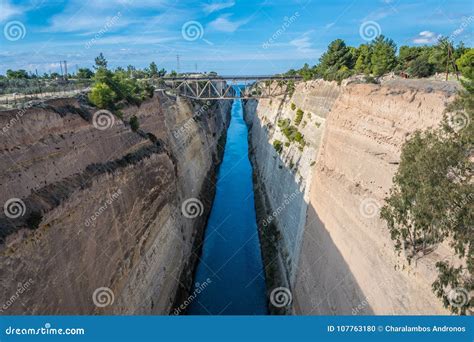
102	208
325	235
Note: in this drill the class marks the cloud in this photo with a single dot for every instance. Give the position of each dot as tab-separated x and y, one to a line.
426	37
328	26
7	10
304	43
223	24
379	14
217	6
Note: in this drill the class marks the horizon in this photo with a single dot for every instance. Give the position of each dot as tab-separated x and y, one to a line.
228	37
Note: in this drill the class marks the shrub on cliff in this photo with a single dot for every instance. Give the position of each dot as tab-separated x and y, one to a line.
102	96
120	84
134	124
299	117
278	145
431	200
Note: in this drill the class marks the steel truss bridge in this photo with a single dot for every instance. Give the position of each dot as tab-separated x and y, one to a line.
227	87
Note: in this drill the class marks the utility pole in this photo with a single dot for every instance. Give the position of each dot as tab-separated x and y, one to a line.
450	60
177	64
61	66
65	70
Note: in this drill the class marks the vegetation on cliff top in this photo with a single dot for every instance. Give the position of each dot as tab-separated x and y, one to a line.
380	57
111	87
431	200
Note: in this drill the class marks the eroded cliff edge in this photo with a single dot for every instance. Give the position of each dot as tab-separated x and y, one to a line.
103	207
318	211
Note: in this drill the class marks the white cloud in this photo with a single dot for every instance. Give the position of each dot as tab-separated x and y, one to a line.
7	10
328	26
304	43
426	37
223	24
217	6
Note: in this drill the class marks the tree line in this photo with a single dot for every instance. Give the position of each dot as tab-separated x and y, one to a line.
86	73
380	57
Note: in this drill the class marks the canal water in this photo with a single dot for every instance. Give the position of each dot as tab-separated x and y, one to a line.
230	279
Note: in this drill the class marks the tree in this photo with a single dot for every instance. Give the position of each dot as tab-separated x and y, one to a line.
383	57
100	62
162	72
102	96
84	73
306	72
17	74
421	67
407	54
431	199
153	70
363	64
465	64
439	55
134	124
335	62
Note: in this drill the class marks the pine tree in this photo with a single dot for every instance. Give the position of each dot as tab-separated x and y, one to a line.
383	57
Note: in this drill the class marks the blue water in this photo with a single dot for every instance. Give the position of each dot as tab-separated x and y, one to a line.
231	258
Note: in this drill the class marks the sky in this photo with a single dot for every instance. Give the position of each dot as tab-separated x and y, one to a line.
246	37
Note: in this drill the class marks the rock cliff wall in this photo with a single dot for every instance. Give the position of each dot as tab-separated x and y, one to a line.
100	210
318	212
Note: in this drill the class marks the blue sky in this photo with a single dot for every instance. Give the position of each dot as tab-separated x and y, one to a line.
227	36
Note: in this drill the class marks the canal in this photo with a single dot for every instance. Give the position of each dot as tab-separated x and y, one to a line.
230	275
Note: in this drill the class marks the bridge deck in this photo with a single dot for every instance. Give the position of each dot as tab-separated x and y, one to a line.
232	78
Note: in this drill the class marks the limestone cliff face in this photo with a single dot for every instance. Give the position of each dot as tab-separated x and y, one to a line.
102	208
338	254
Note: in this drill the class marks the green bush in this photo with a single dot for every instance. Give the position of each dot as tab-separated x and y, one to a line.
278	145
293	106
102	96
465	64
134	124
282	123
289	132
299	117
420	67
